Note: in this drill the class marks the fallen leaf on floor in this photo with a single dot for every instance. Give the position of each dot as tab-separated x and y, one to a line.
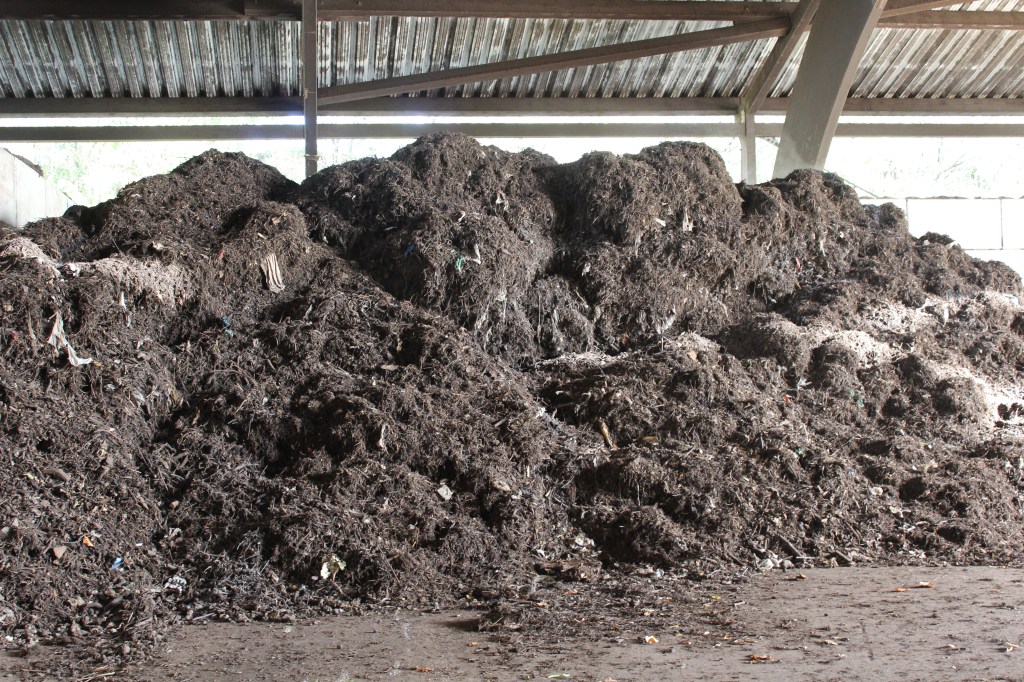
471	644
649	639
559	676
760	658
923	586
1010	647
799	576
900	589
424	670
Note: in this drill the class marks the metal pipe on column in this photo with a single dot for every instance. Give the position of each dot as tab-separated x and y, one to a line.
310	70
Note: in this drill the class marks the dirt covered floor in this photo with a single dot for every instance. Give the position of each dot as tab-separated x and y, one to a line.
898	624
904	624
460	375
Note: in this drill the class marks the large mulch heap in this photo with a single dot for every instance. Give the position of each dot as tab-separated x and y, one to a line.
224	395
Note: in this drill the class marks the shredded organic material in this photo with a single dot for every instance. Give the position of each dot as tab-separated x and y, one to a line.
458	369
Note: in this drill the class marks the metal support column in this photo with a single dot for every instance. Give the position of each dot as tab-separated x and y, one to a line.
310	70
837	41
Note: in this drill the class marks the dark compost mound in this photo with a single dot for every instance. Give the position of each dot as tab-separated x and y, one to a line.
412	379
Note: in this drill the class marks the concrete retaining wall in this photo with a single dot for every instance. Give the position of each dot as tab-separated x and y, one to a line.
992	229
25	195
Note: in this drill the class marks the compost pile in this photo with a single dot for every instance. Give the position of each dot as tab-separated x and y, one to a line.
447	372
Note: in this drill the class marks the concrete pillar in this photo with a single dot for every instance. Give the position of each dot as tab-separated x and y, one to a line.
839	36
748	149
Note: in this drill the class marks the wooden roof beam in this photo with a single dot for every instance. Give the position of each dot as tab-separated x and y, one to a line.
114	10
755	92
568	129
769	28
335	10
897	8
667	10
899	14
70	107
957	20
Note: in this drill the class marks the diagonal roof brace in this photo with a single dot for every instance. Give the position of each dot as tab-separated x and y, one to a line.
755	30
756	91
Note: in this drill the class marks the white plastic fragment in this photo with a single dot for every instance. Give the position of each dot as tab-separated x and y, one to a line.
58	339
331	567
176	584
124	308
272	273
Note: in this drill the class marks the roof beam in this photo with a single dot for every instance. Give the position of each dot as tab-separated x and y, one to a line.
568	129
769	28
126	9
896	8
545	106
78	107
69	107
840	35
900	13
336	10
913	130
958	20
933	130
760	85
907	106
674	10
333	10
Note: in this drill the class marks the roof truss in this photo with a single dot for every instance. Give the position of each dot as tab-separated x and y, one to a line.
739	21
568	129
492	106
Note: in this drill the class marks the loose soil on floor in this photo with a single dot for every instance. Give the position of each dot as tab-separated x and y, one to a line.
906	624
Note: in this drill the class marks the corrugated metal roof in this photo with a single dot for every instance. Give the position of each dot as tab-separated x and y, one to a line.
45	59
916	63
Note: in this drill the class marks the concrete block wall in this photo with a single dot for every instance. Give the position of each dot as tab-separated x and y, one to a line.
992	229
25	195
